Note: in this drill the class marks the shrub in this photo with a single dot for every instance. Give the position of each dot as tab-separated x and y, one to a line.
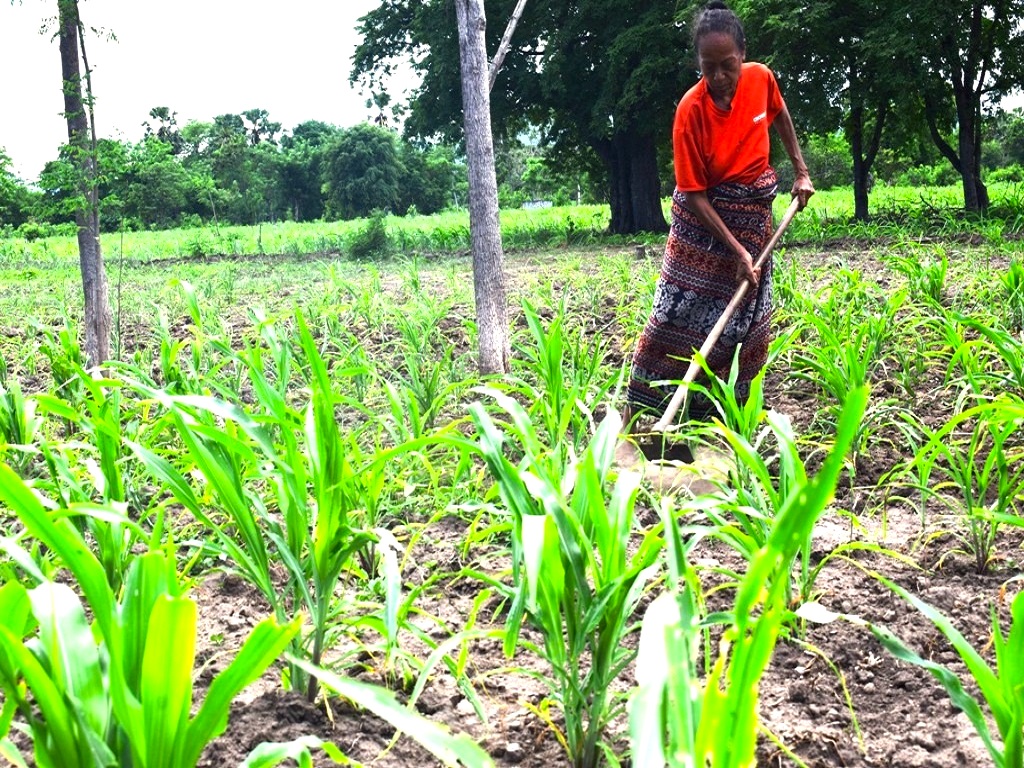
372	240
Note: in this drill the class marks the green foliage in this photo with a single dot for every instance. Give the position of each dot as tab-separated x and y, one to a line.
677	719
981	472
372	240
1000	686
363	172
1013	281
126	698
828	159
15	197
574	578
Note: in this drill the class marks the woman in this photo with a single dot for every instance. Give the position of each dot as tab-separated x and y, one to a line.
721	217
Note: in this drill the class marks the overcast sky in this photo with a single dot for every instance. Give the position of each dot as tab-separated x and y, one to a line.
201	58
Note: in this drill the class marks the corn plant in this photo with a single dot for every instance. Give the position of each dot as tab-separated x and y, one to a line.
66	358
1001	686
676	718
1006	351
111	686
120	692
576	577
983	471
99	448
19	424
558	389
848	356
848	352
1013	281
177	376
419	389
926	276
309	498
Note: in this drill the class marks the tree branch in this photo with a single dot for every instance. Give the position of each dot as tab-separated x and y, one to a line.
506	41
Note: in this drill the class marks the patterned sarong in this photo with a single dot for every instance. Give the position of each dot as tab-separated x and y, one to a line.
698	279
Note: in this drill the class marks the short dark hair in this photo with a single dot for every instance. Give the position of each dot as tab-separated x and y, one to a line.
717	17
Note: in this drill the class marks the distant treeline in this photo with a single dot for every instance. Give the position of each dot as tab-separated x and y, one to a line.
244	169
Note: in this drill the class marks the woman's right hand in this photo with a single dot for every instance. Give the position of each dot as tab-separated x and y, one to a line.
745	269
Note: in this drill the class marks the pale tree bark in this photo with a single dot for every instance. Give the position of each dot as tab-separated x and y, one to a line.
505	44
97	318
485	233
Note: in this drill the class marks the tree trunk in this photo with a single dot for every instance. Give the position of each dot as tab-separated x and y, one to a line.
634	184
97	318
484	228
975	192
864	156
860	171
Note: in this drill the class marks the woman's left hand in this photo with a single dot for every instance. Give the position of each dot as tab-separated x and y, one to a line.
803	188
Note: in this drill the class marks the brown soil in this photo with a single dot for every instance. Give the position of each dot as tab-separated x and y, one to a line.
833	697
904	717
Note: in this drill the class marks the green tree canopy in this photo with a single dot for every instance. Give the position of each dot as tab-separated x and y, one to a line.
15	198
363	172
968	54
602	76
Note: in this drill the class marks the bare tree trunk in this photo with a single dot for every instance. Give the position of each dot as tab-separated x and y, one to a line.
635	186
97	318
506	42
485	232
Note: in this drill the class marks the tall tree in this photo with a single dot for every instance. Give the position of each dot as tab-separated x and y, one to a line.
165	128
840	65
485	230
363	172
968	54
601	76
303	153
82	141
15	197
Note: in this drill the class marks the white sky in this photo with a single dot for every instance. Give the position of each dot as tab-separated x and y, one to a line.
201	58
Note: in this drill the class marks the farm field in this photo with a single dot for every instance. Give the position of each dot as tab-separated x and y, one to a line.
296	433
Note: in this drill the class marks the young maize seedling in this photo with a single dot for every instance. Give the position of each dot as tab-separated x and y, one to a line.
675	718
116	688
1001	686
576	577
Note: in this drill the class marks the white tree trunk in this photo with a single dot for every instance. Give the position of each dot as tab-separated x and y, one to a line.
485	232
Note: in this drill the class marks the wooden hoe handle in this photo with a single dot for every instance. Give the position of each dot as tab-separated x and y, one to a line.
691	373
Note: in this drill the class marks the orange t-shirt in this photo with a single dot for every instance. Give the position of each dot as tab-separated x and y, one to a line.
712	146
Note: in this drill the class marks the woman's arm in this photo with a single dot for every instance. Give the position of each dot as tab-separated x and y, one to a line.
802	187
701	207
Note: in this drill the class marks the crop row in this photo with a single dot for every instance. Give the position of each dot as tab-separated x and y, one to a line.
307	450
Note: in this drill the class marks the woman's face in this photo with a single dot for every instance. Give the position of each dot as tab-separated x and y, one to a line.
720	63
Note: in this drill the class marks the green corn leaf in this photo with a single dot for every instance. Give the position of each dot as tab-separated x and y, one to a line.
960	698
74	662
451	749
976	665
1010	664
388	550
264	645
64	729
10	753
47	697
165	687
60	536
300	750
542	561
